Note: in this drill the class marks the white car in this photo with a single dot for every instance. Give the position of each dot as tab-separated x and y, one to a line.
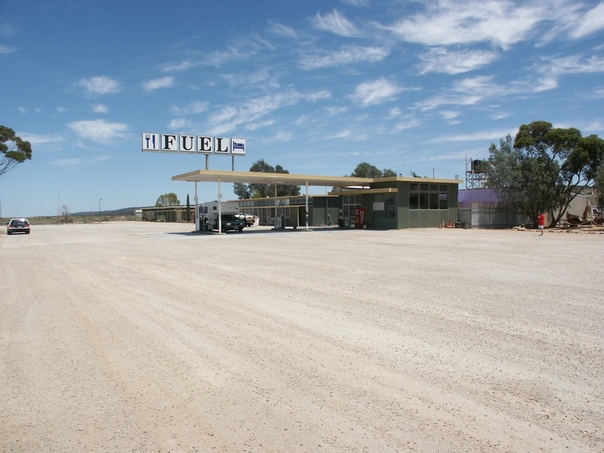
19	225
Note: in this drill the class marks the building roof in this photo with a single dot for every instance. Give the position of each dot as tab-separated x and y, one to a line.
293	179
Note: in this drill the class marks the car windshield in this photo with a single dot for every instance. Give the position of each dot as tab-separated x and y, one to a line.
19	223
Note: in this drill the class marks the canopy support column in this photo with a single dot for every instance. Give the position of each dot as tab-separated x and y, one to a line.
306	205
219	205
196	209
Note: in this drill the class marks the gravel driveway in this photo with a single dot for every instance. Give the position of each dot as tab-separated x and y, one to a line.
144	337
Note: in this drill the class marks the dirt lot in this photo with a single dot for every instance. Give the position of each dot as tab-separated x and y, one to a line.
143	337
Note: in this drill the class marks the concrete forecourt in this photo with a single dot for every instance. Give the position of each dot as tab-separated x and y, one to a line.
134	336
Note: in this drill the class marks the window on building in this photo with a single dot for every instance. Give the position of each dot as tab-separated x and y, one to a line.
443	201
414	200
428	196
389	207
434	200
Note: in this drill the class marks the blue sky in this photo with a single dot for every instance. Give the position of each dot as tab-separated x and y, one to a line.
315	86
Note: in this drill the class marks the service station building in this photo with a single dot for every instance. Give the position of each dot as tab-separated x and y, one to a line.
375	203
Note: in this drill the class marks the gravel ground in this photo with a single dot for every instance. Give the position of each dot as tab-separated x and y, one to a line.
144	337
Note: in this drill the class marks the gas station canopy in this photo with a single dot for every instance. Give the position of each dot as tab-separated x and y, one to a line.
295	180
270	178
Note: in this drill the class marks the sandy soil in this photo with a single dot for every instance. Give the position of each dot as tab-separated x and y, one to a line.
143	337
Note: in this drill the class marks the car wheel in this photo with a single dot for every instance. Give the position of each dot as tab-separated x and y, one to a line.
8	233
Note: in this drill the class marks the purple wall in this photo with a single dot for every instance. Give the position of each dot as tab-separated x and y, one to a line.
466	197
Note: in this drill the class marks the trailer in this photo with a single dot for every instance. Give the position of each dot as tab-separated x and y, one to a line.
221	216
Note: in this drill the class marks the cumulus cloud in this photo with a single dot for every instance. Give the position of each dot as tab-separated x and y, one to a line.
336	23
156	84
375	92
99	131
100	85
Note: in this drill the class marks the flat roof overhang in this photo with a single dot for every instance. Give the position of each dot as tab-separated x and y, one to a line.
364	191
296	179
270	178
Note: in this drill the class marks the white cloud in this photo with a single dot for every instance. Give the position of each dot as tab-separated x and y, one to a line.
180	67
375	92
100	85
69	163
279	137
346	55
260	125
469	91
336	23
177	123
342	134
261	77
315	96
79	162
592	22
357	3
155	84
7	49
573	64
409	123
475	136
241	50
255	109
192	108
450	22
334	111
449	114
99	131
100	108
442	60
39	139
282	30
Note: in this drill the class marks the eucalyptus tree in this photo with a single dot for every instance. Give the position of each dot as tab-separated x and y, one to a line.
14	150
544	168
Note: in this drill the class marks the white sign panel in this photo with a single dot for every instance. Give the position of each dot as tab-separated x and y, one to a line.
188	144
175	143
222	145
150	142
205	145
169	142
238	146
